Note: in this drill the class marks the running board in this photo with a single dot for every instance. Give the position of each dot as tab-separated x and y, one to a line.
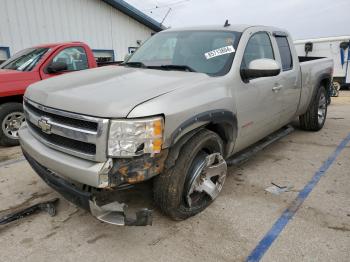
243	156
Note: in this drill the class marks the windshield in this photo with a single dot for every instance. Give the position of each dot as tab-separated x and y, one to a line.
209	52
25	60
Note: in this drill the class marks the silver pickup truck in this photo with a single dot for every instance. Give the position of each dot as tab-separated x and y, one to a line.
184	103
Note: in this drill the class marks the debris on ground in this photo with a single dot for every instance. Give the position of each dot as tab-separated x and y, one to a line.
47	206
278	189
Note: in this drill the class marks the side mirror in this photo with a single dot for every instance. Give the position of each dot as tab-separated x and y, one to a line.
56	67
263	67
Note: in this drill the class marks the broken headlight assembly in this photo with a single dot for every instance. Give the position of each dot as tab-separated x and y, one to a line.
134	137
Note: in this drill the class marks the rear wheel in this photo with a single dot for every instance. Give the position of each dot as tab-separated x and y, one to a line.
195	180
315	117
11	118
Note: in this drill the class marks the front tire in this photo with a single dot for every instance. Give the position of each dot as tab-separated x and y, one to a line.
195	180
315	117
11	118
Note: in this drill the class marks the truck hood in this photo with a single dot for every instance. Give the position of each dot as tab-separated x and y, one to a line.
111	91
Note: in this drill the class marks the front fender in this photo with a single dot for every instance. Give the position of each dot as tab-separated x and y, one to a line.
185	109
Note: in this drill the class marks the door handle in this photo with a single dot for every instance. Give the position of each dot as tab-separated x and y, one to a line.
277	88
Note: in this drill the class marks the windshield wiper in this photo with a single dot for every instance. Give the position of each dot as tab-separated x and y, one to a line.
135	64
175	67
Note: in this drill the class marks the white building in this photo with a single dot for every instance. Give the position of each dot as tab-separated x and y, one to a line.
112	28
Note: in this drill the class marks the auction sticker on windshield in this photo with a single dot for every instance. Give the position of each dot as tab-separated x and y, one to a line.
220	51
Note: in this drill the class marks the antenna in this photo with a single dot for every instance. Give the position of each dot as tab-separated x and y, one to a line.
166	15
226	23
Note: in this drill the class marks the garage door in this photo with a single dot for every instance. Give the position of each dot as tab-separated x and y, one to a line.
103	55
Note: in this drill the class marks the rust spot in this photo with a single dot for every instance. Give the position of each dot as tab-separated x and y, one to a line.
147	165
138	169
136	179
124	170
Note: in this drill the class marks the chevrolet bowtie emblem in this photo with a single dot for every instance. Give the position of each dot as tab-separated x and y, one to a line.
44	125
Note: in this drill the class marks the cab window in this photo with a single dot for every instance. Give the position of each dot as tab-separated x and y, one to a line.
74	57
25	60
286	55
259	46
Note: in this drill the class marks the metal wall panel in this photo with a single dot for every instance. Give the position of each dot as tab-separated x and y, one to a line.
25	23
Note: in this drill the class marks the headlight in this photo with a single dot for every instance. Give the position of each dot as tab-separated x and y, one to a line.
135	137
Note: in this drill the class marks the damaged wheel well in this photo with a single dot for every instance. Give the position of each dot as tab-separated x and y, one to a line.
226	132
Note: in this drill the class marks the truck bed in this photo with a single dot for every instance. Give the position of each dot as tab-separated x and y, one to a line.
312	69
303	59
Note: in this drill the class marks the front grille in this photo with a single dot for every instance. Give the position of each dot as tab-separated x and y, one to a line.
64	120
71	133
82	147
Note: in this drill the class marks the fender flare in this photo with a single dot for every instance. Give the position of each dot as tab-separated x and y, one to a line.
222	118
321	78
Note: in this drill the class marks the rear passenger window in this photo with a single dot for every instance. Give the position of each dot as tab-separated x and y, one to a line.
259	46
286	55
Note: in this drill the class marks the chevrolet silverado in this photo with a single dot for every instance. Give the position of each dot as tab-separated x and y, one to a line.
173	114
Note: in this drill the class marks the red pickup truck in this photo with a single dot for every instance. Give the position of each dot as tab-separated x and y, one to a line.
29	66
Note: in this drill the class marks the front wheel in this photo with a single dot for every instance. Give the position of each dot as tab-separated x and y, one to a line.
195	180
315	117
11	118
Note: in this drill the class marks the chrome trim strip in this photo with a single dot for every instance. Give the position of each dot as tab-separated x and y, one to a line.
99	137
63	113
61	129
60	148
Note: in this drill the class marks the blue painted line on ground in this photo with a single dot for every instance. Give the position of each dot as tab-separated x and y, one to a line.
286	216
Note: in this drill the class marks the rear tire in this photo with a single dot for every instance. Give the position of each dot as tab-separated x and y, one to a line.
11	117
171	188
315	117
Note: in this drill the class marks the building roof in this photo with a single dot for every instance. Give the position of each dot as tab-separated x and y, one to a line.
136	14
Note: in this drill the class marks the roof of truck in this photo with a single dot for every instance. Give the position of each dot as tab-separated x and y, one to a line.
236	28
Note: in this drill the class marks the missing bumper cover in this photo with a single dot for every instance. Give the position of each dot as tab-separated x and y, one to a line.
113	213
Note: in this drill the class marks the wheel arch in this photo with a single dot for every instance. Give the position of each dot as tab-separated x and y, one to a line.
326	82
323	80
11	99
222	122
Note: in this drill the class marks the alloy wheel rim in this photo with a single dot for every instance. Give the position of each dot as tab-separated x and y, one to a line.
322	107
11	124
208	178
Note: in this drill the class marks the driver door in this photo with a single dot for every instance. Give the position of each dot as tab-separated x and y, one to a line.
259	103
74	57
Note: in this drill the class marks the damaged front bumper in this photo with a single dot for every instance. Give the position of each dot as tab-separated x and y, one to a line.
57	169
113	213
112	173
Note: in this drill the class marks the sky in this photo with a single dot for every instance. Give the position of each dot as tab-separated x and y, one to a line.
302	18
